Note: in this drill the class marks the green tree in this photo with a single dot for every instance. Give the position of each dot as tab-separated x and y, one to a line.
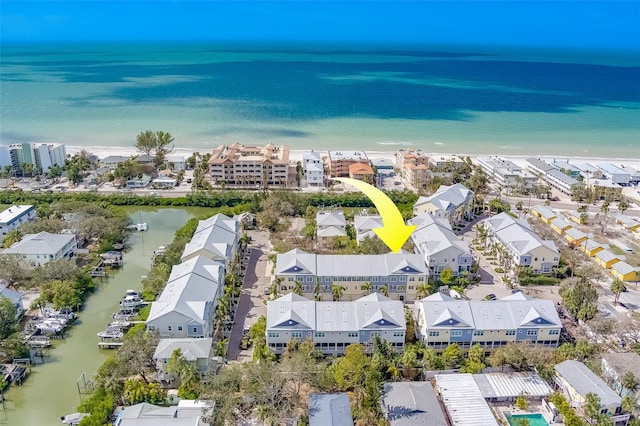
337	291
350	369
385	289
617	287
452	356
580	298
11	268
423	291
297	287
592	407
8	322
366	288
146	142
475	360
522	402
446	276
629	381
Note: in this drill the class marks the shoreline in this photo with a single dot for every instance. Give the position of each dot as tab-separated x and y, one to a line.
296	154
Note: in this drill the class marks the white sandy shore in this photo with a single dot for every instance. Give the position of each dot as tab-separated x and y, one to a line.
296	155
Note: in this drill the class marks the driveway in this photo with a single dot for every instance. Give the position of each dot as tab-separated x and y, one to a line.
250	305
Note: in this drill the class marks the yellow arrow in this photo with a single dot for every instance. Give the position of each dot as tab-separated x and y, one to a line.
394	232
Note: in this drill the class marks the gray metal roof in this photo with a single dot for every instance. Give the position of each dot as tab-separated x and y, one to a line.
626	220
542	165
448	198
566	179
216	240
544	211
201	266
412	404
13	212
187	295
464	401
517	234
561	223
221	221
330	218
606	255
511	385
40	243
623	267
585	381
623	362
192	349
329	409
434	235
575	233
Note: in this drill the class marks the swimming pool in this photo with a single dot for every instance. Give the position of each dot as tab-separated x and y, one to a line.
534	419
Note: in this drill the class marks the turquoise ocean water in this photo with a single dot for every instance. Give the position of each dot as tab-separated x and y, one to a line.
462	100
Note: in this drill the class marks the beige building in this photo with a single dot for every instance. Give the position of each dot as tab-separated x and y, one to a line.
250	166
413	166
339	162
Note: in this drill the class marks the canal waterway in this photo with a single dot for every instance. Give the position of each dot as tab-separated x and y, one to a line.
50	390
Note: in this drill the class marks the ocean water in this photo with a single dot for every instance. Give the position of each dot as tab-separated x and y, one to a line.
439	99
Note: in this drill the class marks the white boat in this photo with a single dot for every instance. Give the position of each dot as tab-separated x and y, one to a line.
49	328
111	333
131	302
132	293
120	324
73	419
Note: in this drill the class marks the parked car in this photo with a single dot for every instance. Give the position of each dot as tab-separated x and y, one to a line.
490	296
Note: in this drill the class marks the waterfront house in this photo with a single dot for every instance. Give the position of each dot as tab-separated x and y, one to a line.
624	272
454	203
199	352
188	412
112	161
329	409
361	171
38	249
397	274
313	168
144	159
434	239
606	259
523	246
331	223
215	238
139	182
544	213
560	225
627	222
591	247
411	403
15	216
332	326
365	224
442	320
164	183
176	162
14	296
616	365
576	381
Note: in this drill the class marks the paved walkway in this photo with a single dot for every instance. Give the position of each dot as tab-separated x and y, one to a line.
250	305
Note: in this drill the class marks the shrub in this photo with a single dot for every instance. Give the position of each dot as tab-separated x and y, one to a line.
499	270
539	280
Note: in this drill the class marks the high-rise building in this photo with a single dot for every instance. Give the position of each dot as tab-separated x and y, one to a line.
43	156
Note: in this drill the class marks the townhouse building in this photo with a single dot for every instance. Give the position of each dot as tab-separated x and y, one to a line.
216	238
250	166
332	326
43	247
365	224
198	352
452	202
15	216
313	167
186	306
523	246
614	174
553	176
442	320
339	162
604	189
434	239
398	275
506	173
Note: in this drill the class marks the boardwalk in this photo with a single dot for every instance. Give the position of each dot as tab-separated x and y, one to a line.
251	306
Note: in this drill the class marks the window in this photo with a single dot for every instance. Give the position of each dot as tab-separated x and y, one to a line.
179	328
394	279
435	333
195	329
511	332
554	331
398	334
319	334
532	332
410	287
478	332
296	334
273	334
456	333
152	327
375	333
169	328
352	334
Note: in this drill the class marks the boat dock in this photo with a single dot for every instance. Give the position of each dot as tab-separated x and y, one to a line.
109	345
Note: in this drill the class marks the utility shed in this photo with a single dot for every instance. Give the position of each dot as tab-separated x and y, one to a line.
463	400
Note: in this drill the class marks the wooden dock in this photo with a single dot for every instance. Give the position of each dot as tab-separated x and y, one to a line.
109	345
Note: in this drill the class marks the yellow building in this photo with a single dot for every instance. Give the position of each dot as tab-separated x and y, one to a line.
606	259
575	236
560	225
624	272
544	213
591	247
628	222
576	217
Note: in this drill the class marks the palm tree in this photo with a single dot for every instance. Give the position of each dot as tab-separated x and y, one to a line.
337	291
617	287
483	233
385	290
134	391
423	291
366	288
297	287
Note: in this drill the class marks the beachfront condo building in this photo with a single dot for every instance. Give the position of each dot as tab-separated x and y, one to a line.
413	166
15	216
555	177
250	166
42	156
434	239
339	162
454	203
507	174
519	245
332	326
442	320
349	277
